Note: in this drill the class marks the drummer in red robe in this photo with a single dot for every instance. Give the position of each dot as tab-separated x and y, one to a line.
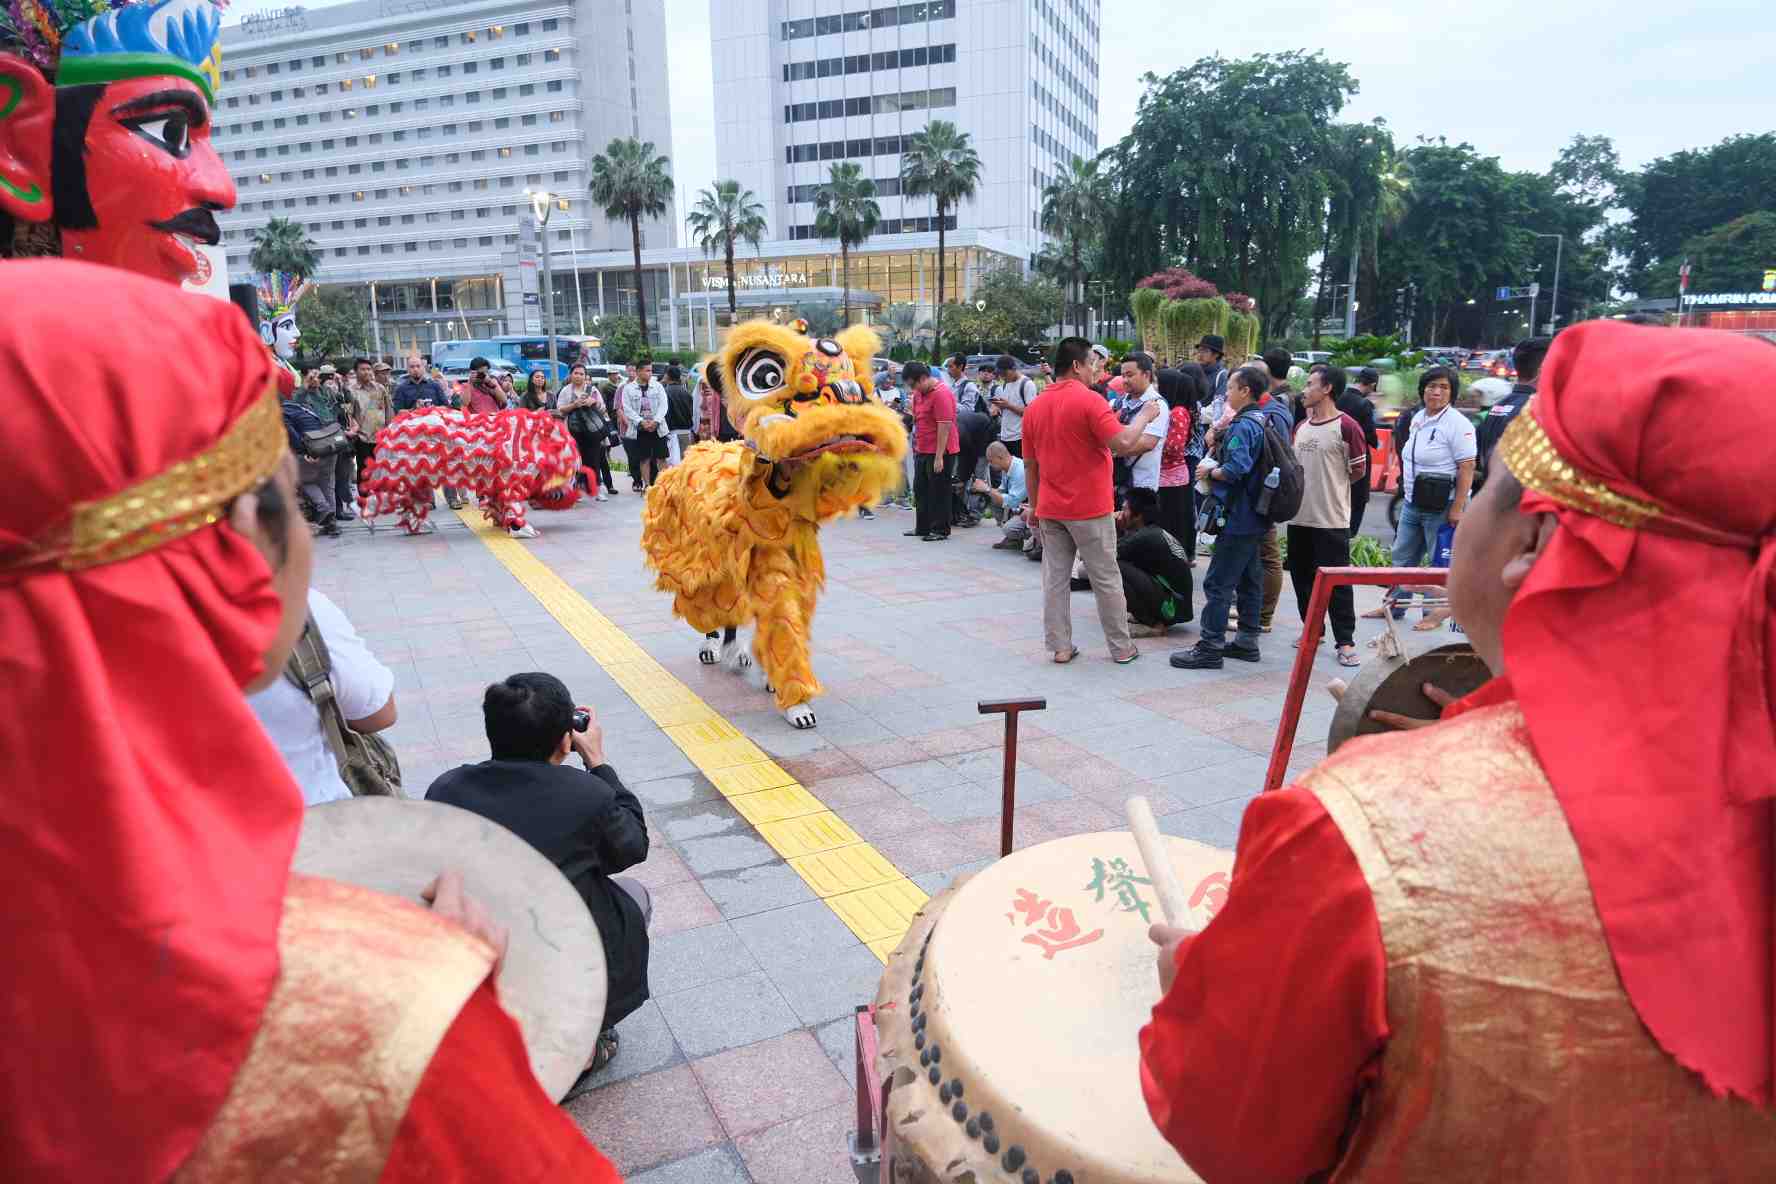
1534	940
175	1002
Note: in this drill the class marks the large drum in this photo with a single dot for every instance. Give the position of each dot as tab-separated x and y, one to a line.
1008	1019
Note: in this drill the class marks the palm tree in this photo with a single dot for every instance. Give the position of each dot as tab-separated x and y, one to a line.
631	183
1370	188
941	164
1074	210
282	245
846	209
1052	262
902	320
721	217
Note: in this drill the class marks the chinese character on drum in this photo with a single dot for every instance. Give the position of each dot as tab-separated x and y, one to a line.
1121	879
1061	929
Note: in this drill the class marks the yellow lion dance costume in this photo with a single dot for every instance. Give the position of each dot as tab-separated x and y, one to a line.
734	532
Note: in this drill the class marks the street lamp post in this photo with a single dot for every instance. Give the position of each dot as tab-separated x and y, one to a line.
1554	305
541	202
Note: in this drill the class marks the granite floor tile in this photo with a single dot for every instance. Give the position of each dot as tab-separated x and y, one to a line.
660	868
771	1082
681	906
929	849
695	957
725	852
645	1044
799	933
852	790
664	793
919	777
718	1165
750	890
812	1149
827	985
888	816
1205	824
820	765
838	1038
624	1120
727	1014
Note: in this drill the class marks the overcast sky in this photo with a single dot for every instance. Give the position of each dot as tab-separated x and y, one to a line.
1516	78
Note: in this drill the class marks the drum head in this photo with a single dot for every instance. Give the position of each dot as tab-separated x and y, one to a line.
553	978
1030	984
1394	684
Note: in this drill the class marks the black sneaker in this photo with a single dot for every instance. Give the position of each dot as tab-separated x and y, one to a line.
1079	584
865	512
1243	653
1197	657
347	516
912	534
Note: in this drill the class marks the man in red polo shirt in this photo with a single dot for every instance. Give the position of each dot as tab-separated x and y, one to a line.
1069	434
935	446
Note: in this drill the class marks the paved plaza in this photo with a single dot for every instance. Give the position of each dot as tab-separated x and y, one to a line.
740	1066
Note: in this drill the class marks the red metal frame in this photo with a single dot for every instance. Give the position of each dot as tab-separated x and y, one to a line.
872	1096
1008	802
1326	579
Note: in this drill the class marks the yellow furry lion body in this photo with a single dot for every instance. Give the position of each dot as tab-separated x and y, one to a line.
733	532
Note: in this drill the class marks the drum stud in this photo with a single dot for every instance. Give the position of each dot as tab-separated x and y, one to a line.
1031	1176
935	1075
986	1121
955	1087
936	1053
919	1042
943	1093
918	994
919	1024
991	1142
924	1057
1013	1159
959	1111
1062	1177
973	1128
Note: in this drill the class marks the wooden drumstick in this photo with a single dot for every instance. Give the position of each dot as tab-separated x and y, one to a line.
1172	900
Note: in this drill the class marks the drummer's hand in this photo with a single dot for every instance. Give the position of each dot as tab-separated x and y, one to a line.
448	900
1168	938
1394	719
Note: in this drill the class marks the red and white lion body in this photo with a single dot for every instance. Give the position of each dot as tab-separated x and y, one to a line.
507	459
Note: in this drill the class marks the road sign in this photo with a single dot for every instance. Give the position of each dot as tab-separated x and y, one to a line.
1505	294
1534	290
1770	279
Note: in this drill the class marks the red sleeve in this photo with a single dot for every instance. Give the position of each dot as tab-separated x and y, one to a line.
479	1113
1279	1010
1353	437
945	407
1104	423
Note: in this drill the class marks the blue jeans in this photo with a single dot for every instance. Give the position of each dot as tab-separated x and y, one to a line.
1415	544
1234	571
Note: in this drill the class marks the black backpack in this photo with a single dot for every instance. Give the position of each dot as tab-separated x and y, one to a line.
1282	501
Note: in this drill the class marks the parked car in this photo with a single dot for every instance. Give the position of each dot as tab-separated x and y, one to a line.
1496	363
1308	359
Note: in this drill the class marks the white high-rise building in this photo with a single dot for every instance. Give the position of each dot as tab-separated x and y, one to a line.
402	134
800	84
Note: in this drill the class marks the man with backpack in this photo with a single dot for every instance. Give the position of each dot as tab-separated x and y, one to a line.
1250	485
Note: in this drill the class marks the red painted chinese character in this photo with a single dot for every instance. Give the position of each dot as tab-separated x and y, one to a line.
1028	903
1062	933
1213	890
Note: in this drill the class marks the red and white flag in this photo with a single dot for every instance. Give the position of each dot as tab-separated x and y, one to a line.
1683	277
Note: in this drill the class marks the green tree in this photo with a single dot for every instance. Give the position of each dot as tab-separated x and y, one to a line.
723	216
283	245
823	319
333	323
1225	173
845	208
1678	197
632	183
902	320
1073	209
1025	304
623	341
940	163
1369	188
1729	258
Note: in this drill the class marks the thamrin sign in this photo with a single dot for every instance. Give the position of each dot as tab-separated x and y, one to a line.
1730	300
762	279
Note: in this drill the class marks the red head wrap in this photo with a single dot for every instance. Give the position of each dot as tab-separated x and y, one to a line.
148	823
1643	651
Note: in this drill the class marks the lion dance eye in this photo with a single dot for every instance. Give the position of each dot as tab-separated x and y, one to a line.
759	373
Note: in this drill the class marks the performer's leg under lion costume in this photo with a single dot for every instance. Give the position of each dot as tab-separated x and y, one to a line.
733	532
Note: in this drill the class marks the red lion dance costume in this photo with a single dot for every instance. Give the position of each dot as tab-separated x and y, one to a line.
508	460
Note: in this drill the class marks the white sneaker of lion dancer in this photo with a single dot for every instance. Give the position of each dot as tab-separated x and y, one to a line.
527	531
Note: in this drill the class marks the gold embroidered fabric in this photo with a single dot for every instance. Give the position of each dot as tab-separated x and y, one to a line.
367	989
1533	459
1514	1053
169	505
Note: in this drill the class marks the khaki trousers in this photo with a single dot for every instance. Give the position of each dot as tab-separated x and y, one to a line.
1093	540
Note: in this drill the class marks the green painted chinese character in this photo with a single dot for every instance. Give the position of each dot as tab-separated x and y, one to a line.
1118	877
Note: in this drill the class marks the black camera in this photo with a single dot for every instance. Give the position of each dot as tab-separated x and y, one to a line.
582	719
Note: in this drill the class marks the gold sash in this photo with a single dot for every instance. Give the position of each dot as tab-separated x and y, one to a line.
369	985
1514	1052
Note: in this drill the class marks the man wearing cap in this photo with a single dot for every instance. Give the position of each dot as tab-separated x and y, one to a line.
1533	940
1209	352
1356	403
105	151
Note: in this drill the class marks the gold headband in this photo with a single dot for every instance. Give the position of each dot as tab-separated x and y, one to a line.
187	497
1533	459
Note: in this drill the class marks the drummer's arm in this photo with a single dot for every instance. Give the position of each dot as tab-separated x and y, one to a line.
1278	1010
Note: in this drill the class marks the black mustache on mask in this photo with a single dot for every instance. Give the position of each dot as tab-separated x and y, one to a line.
199	224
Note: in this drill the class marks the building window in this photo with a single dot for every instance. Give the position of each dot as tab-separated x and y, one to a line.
550	25
499	92
444	71
467	38
557	116
521	29
528	120
496	63
347	83
504	153
551	55
440	43
528	88
391	49
357	195
411	247
554	86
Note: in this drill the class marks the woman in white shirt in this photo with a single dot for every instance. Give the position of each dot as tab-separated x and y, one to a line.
1438	472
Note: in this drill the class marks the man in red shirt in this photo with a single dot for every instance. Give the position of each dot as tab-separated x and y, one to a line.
934	450
1069	434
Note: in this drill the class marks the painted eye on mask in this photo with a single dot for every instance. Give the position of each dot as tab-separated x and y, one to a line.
759	373
170	132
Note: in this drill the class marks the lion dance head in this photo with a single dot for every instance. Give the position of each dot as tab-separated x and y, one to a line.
809	406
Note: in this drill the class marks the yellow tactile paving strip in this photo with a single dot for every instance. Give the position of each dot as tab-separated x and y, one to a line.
865	890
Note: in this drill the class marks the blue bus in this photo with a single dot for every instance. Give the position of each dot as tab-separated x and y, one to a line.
525	352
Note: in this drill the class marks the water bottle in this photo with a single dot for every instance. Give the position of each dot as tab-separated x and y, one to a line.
1272	480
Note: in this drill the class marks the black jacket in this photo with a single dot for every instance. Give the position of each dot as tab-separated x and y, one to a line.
1498	417
587	825
408	393
681	412
1353	404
